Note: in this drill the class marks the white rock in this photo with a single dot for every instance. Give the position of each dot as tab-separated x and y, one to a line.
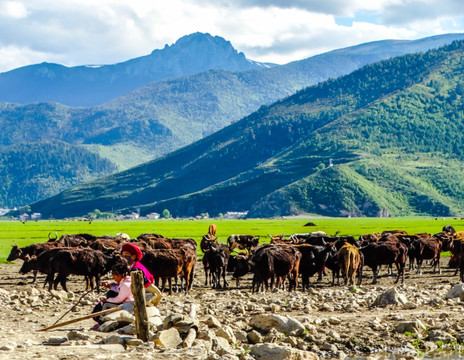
457	291
390	297
169	338
121	316
414	326
212	322
227	333
287	325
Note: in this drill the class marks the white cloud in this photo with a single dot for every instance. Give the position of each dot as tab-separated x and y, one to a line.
13	9
75	32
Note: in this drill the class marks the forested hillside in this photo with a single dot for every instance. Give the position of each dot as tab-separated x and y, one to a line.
383	140
169	114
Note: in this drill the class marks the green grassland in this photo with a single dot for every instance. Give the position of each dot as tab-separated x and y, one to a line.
15	232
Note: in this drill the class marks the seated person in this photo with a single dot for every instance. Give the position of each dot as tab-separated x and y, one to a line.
133	255
119	294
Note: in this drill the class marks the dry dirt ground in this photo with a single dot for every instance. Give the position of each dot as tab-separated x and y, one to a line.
340	321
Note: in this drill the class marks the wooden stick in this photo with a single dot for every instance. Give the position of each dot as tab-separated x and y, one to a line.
140	310
77	302
107	311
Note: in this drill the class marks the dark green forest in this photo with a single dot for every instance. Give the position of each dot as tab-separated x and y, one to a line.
385	140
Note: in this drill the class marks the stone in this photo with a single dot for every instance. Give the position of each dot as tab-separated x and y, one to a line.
108	326
457	291
226	333
56	340
7	348
156	323
390	297
181	322
152	311
59	294
128	330
133	342
414	326
77	335
241	336
254	337
221	346
287	325
409	305
277	352
330	348
114	339
169	338
123	317
334	321
438	335
212	322
274	336
429	346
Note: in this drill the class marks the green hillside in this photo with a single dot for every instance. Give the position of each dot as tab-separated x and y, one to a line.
392	131
167	115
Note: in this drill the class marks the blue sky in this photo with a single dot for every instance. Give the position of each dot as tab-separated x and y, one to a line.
72	32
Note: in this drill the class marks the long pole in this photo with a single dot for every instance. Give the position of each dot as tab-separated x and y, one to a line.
140	310
107	311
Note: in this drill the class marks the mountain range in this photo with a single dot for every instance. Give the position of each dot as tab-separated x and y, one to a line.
383	140
156	118
91	85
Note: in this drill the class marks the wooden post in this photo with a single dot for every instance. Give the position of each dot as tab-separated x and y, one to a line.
140	310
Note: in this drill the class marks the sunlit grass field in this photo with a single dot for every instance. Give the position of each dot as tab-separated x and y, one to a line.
15	232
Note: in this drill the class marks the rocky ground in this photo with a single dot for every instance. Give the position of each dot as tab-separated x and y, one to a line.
370	322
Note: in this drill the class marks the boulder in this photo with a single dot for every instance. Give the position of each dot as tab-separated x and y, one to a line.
277	352
123	317
457	291
212	322
438	335
414	326
390	297
114	339
287	325
108	326
227	333
77	335
169	338
128	330
56	340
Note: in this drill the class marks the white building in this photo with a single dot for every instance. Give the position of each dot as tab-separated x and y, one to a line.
235	214
153	216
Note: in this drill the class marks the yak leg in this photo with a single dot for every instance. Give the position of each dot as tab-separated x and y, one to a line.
374	270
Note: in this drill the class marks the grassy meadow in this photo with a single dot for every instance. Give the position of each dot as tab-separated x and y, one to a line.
15	232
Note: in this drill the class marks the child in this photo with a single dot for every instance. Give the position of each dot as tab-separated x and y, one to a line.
118	295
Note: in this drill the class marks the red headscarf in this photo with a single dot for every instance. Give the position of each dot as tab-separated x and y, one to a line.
133	249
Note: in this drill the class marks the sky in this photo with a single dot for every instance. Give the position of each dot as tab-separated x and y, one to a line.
96	32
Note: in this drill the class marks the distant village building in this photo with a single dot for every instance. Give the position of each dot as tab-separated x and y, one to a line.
4	211
235	214
153	216
132	216
24	217
36	216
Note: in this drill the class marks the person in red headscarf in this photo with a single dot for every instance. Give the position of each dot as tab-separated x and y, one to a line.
133	255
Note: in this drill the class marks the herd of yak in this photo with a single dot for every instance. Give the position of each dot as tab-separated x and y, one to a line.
271	264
